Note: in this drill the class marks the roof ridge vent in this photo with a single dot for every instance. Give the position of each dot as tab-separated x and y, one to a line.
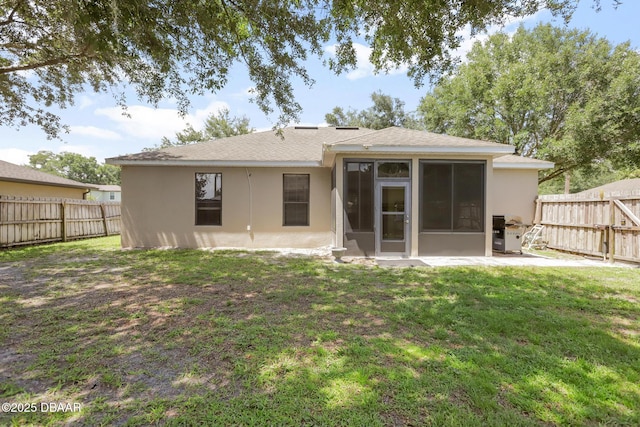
347	128
306	127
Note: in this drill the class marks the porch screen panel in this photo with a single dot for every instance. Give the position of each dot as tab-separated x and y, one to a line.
436	196
452	196
468	197
359	197
296	199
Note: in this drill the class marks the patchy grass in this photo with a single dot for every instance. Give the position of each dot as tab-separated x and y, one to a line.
231	338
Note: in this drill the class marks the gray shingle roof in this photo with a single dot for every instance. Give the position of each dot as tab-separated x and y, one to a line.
15	173
303	145
295	145
395	136
114	188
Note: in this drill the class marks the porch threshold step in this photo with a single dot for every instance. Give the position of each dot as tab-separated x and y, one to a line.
401	262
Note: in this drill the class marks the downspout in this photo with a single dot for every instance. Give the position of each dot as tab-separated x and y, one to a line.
84	195
249	230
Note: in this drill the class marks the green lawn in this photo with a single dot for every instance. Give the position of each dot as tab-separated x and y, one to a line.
188	337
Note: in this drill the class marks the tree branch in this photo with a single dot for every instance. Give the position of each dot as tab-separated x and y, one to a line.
556	173
47	63
9	19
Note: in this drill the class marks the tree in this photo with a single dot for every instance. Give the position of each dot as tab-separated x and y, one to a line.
76	167
385	112
52	49
220	125
595	175
555	94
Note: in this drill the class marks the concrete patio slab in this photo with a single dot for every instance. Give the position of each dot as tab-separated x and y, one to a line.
401	262
497	260
524	260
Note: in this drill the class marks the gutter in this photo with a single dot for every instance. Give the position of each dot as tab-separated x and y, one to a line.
412	149
214	163
515	165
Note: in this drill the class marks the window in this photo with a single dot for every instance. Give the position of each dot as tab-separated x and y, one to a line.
295	196
393	169
359	196
112	195
208	199
452	196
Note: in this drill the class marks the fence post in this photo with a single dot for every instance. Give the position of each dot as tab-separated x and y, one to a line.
612	231
104	219
537	218
63	214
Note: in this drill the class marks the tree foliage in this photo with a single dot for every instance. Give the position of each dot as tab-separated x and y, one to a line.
218	125
385	112
52	49
76	167
556	94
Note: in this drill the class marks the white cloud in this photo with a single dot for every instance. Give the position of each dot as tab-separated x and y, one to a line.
16	156
85	101
201	115
19	156
144	122
364	67
95	132
154	123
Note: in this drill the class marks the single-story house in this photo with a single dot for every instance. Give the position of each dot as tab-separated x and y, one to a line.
390	192
106	193
23	181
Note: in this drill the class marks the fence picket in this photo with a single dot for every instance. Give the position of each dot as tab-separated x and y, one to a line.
26	221
605	225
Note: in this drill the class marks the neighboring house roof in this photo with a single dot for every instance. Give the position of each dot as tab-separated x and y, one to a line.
512	161
109	188
24	174
305	146
625	185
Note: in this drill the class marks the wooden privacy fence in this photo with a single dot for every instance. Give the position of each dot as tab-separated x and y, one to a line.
28	220
605	225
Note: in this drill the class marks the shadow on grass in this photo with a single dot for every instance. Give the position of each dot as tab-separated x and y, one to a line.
191	337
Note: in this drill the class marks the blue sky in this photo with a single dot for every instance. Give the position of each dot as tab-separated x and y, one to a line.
99	129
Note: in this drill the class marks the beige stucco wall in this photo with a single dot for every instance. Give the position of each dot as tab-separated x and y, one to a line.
158	209
159	206
8	188
515	192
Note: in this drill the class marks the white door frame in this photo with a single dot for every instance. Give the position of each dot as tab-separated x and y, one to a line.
406	185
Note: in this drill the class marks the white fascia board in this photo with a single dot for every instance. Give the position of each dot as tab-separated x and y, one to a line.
412	149
217	163
515	165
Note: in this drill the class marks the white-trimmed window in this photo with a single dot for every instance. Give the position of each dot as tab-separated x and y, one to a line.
295	196
208	191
